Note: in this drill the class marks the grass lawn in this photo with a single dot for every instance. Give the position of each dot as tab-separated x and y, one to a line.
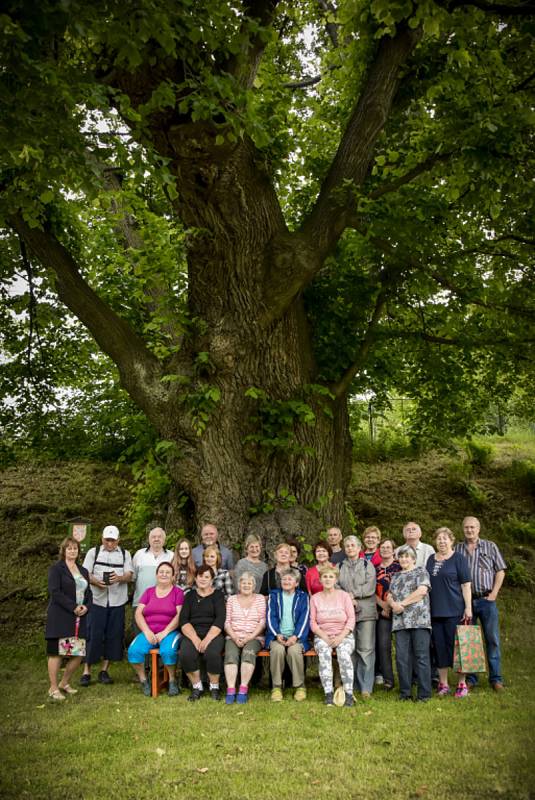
111	742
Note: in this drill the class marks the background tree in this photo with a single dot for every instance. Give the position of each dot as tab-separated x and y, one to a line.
258	208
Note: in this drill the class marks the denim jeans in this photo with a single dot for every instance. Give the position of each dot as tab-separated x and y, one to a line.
364	655
383	649
413	654
486	611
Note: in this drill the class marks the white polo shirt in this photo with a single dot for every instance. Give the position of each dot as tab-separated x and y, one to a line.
423	552
145	563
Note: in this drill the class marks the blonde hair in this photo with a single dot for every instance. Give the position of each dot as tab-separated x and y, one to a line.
212	548
324	568
372	529
252	538
448	533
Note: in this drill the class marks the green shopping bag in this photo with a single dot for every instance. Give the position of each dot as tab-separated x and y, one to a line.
468	652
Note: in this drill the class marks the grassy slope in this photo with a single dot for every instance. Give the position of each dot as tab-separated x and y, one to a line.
111	740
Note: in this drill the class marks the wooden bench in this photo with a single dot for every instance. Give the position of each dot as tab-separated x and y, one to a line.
310	653
159	677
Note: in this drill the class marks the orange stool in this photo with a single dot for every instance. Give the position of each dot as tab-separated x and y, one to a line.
159	677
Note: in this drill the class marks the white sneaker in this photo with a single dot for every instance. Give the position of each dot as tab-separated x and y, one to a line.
379	680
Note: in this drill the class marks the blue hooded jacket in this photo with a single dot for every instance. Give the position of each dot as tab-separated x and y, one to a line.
300	615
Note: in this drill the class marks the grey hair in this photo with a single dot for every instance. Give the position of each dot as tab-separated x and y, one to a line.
247	576
252	538
407	550
296	575
353	540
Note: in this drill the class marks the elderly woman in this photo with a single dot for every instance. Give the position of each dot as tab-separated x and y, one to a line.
202	622
358	578
272	578
408	598
332	621
184	565
70	599
245	623
288	627
322	554
451	602
157	616
252	562
388	567
222	581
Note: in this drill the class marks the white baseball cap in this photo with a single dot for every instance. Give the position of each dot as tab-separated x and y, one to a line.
110	532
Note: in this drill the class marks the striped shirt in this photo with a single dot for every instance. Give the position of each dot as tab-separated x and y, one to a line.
244	621
484	561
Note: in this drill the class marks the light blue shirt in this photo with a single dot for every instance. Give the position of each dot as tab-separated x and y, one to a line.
287	620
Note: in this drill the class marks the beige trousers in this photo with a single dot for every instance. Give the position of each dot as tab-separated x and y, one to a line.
278	654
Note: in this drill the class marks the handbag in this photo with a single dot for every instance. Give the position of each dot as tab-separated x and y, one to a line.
468	651
72	645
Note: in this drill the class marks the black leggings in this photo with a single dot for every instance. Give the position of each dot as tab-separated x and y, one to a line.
190	658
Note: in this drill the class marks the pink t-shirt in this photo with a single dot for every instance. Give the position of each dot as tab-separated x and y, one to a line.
159	611
244	621
332	612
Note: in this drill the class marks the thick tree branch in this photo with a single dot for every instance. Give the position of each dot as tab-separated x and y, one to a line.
244	66
341	388
139	369
350	165
330	214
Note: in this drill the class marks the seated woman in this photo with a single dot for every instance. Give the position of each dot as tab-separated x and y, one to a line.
451	602
272	578
411	622
245	623
383	632
288	627
222	580
251	563
70	599
157	616
184	565
202	622
332	621
322	554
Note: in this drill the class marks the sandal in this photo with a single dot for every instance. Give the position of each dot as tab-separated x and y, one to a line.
68	689
56	695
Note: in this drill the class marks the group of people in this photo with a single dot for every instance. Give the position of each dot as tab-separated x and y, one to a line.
214	618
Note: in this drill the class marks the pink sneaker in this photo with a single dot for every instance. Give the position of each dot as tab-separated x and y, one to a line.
461	690
443	689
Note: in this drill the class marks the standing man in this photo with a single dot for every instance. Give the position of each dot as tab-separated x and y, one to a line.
334	539
487	568
210	535
147	560
110	572
412	533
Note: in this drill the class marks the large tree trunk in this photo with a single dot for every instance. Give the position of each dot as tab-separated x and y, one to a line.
234	465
